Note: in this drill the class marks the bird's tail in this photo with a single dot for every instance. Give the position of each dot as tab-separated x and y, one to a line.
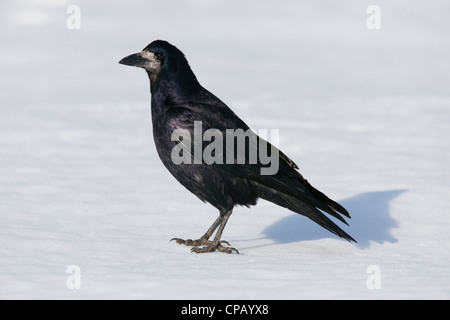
310	211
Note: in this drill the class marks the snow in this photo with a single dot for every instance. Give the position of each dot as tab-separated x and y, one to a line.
364	113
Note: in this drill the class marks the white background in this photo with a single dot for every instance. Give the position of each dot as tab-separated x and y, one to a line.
365	114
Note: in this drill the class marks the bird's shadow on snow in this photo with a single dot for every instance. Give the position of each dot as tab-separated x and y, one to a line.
370	222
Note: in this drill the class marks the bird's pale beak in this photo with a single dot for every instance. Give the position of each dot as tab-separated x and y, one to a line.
134	60
144	59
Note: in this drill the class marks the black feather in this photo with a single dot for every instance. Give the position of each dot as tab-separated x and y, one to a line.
178	100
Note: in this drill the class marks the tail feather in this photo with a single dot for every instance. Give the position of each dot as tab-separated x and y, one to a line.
329	206
317	216
310	211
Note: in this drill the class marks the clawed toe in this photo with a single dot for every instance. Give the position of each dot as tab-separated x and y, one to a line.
212	248
203	245
188	242
192	243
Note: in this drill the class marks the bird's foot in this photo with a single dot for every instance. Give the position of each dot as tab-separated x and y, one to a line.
212	248
188	242
192	243
208	245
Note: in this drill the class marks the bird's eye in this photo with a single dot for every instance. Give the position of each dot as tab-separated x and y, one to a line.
159	55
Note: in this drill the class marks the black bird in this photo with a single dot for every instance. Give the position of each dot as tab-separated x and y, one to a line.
178	101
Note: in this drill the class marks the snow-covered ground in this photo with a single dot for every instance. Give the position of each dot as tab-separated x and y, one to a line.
364	113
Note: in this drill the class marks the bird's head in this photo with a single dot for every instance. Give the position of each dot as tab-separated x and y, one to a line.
160	57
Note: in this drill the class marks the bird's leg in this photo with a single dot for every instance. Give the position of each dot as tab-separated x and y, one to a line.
216	244
204	240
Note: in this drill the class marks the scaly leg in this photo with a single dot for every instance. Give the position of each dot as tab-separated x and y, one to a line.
204	240
216	244
210	246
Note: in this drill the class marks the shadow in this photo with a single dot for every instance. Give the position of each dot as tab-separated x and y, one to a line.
370	221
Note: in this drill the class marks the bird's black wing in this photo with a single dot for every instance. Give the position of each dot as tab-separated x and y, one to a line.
287	180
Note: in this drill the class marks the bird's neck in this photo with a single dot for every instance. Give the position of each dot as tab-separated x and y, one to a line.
178	87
